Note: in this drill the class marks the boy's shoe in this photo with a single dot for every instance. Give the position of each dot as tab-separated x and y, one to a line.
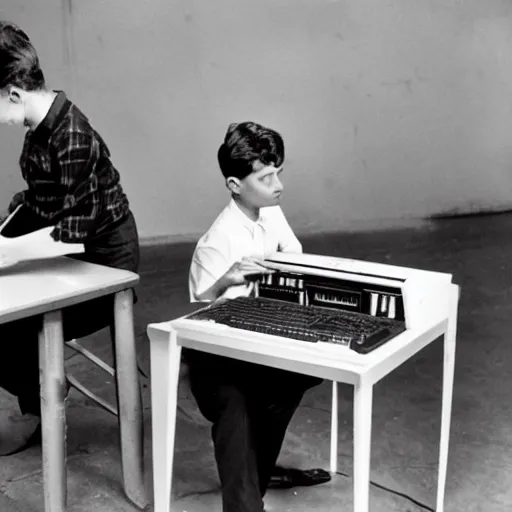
24	430
286	478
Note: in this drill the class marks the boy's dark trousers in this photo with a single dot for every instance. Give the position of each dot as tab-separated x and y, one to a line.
19	360
250	407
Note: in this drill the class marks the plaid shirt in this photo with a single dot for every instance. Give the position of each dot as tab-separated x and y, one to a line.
72	183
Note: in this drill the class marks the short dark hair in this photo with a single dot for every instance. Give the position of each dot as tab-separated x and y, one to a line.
19	63
246	143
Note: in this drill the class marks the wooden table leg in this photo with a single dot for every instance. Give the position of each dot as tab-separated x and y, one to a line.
53	413
130	413
363	394
448	376
165	365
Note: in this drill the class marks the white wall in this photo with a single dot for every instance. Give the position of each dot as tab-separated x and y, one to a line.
390	109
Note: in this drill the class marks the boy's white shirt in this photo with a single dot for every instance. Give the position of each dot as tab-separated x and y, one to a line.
233	236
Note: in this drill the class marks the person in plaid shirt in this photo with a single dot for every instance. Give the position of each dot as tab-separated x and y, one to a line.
73	187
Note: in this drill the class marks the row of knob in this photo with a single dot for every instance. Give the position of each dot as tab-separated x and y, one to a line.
332	298
382	305
290	282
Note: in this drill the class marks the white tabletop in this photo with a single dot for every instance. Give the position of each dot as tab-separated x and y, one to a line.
37	286
324	360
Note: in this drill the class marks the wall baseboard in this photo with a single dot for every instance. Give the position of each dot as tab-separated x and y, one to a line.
356	227
477	212
363	226
169	239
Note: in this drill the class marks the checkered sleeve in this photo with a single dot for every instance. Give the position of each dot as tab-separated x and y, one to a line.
77	155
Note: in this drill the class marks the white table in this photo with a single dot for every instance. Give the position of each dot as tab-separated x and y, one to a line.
318	359
45	287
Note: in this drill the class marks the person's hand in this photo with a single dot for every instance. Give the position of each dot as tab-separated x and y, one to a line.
18	198
238	274
3	216
241	270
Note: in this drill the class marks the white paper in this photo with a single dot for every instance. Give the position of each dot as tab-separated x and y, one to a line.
36	245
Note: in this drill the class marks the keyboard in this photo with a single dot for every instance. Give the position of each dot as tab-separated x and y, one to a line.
360	332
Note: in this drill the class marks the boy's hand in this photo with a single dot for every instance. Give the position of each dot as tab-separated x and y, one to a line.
237	274
18	198
241	270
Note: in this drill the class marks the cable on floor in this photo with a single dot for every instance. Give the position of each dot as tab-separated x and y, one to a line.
396	493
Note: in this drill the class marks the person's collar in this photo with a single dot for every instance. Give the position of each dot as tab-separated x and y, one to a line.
58	109
242	217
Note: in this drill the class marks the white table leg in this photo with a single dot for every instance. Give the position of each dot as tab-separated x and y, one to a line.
130	416
53	412
448	376
363	393
165	365
334	428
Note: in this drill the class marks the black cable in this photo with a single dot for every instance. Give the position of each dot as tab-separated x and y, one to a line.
397	493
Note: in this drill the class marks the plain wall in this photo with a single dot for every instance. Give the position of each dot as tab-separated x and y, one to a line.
391	110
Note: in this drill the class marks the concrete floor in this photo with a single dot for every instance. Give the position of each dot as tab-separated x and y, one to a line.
477	250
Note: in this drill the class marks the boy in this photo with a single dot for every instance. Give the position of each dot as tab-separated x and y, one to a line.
72	187
250	406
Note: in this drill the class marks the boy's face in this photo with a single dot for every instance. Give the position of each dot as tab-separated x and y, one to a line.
12	109
262	187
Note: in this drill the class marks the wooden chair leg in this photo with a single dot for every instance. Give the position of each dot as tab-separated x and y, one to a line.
129	398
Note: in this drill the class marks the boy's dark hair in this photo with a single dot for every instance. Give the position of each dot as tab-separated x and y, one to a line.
246	143
19	63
